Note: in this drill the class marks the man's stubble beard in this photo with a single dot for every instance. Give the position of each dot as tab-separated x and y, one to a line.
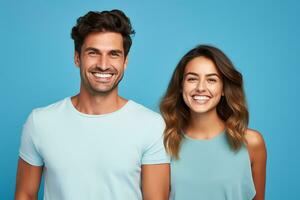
94	91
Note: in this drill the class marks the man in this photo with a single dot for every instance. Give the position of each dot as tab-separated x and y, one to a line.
95	145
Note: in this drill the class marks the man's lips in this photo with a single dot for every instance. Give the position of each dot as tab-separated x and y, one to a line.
103	77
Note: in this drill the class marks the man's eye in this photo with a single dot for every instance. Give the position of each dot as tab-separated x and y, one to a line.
92	53
114	54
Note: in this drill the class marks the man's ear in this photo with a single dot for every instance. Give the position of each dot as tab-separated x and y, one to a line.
77	59
125	62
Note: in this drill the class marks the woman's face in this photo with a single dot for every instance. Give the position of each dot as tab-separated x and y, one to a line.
202	86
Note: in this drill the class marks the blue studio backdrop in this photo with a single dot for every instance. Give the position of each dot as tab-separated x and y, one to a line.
260	36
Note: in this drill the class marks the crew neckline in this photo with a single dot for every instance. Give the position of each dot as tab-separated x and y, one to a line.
219	135
122	109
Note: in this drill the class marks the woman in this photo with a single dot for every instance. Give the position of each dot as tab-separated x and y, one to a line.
214	154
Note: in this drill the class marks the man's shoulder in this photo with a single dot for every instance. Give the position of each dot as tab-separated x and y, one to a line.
142	111
46	116
51	109
150	122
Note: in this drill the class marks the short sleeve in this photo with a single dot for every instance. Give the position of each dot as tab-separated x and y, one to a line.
155	153
28	150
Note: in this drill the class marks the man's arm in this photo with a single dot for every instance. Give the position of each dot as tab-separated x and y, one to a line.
156	181
28	181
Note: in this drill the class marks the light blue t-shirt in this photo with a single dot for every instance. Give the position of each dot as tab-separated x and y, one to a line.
92	157
211	170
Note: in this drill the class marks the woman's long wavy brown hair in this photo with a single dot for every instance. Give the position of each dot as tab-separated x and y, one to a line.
232	108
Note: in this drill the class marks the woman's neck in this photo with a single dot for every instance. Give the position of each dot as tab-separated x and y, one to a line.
204	125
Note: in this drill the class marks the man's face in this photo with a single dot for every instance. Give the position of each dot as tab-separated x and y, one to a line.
101	62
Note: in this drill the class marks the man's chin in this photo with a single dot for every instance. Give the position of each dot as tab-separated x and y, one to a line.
102	91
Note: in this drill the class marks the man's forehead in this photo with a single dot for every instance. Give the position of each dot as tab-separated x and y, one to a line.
104	41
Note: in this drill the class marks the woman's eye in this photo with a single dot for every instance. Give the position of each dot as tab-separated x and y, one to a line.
191	79
212	80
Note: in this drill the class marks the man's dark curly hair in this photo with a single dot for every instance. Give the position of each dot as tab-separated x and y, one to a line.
112	21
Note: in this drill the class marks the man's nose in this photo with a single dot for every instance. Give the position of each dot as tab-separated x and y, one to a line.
103	63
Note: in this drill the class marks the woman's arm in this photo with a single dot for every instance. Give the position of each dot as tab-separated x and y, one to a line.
258	156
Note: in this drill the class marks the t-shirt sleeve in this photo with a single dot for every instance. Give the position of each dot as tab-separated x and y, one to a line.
28	150
155	153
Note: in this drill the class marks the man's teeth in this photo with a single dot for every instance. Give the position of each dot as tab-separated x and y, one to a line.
200	97
102	75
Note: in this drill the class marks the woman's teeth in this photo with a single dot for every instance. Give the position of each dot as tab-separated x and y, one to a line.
201	98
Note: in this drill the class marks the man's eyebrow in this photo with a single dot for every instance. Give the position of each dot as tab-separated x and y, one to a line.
116	51
91	49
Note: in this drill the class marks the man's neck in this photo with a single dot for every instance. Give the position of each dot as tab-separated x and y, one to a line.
96	104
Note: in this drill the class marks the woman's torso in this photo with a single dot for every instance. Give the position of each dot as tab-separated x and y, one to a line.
211	170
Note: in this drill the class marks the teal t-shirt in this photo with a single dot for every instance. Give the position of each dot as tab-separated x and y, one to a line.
92	157
211	170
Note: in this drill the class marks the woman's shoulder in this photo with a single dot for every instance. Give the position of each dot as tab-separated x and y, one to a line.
255	143
253	138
